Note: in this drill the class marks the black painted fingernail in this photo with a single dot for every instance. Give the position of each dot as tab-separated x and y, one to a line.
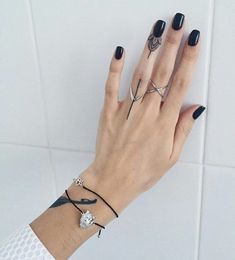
193	38
119	52
198	112
178	21
159	28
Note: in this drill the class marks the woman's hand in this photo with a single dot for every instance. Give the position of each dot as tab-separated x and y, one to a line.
138	141
139	138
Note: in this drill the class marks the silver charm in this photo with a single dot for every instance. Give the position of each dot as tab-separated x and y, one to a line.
86	220
78	181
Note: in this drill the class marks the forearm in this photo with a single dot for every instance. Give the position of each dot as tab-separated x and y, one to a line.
58	227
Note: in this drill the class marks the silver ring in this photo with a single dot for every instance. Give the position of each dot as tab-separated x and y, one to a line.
133	98
159	90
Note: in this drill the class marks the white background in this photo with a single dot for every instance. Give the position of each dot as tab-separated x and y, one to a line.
54	56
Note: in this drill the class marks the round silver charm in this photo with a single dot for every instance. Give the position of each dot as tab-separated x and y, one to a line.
86	220
78	181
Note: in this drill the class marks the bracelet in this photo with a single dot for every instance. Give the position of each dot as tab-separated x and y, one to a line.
87	219
80	182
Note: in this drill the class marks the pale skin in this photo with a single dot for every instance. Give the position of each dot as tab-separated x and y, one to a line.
131	154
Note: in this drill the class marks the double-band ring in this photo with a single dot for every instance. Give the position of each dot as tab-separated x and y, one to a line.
155	88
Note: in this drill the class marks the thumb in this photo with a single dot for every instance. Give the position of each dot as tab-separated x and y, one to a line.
183	128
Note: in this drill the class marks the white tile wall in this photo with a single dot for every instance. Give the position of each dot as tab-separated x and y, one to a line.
218	214
49	106
21	104
220	148
27	185
68	165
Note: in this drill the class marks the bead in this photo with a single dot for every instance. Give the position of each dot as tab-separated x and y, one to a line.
78	181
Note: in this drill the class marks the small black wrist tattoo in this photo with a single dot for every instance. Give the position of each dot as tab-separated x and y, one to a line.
63	200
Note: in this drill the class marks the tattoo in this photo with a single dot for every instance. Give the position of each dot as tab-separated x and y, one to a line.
63	200
153	43
134	98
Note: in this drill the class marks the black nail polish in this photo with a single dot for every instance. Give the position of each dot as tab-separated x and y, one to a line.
193	38
119	52
198	112
159	28
178	21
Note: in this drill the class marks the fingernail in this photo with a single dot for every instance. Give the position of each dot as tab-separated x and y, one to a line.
178	21
119	52
198	112
159	28
193	38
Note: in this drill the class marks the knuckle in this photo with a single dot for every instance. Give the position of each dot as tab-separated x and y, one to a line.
190	55
171	39
163	73
139	74
185	129
109	92
114	68
180	81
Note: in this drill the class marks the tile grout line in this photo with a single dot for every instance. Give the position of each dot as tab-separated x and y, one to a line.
205	129
71	150
36	49
47	147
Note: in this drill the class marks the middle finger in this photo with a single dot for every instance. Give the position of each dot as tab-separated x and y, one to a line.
164	65
144	68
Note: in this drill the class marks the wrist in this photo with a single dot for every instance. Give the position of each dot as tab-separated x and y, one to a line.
102	213
61	223
105	183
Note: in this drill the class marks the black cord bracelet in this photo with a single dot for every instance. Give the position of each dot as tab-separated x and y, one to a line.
91	220
84	187
79	181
